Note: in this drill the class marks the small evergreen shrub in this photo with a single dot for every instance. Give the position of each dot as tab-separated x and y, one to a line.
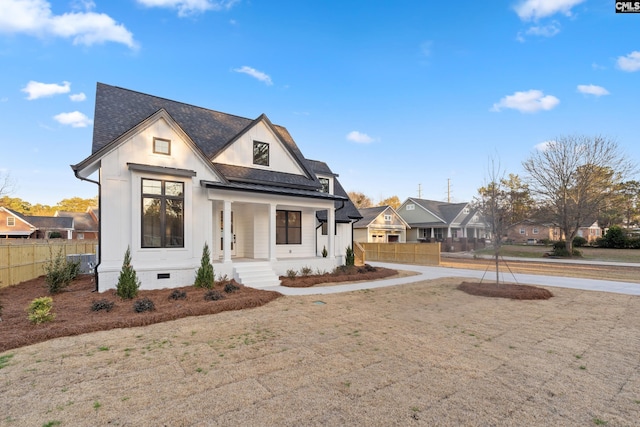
177	294
579	242
59	272
292	274
128	283
102	304
39	311
614	238
305	271
560	250
350	258
55	235
230	287
143	304
205	275
324	252
213	295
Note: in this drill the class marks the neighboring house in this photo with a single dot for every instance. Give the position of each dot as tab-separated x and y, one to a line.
531	230
457	225
46	226
174	176
85	224
13	225
380	224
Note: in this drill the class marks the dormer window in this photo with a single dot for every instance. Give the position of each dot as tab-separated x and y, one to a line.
162	146
260	153
325	185
387	218
411	207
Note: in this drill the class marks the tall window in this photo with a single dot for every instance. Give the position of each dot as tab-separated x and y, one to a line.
162	214
325	184
288	227
260	153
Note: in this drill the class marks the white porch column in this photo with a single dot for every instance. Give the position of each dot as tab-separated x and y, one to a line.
433	233
69	234
331	232
448	231
272	232
226	232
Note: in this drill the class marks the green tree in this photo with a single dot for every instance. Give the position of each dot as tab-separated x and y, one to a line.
76	204
205	275
16	204
573	176
128	283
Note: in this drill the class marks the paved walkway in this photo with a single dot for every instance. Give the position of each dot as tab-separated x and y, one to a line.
429	273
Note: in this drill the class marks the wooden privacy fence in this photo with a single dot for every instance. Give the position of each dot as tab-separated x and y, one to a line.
22	260
407	253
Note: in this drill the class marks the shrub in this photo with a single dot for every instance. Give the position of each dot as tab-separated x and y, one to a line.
350	258
230	287
102	304
324	252
59	272
305	271
55	235
579	241
614	238
177	294
560	250
546	242
223	278
143	304
128	283
213	295
40	310
205	275
292	274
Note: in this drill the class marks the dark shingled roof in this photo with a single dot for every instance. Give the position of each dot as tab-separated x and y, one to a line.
49	222
118	110
346	211
369	214
82	221
446	211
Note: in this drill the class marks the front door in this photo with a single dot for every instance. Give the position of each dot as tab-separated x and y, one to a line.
233	234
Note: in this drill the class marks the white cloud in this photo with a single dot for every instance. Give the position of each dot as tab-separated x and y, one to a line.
535	9
189	7
548	30
255	74
530	101
544	146
631	62
592	90
359	137
37	90
78	97
74	119
34	17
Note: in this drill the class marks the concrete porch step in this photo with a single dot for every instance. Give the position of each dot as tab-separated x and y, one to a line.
255	274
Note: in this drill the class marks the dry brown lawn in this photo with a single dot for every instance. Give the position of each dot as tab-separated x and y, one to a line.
418	354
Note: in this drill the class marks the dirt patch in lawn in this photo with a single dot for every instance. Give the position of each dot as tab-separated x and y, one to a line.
74	314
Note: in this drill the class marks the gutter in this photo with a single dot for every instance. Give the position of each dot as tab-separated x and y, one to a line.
99	258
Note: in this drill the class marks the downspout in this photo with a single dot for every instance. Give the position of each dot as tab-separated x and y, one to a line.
95	267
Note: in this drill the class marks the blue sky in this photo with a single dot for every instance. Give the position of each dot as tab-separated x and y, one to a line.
391	94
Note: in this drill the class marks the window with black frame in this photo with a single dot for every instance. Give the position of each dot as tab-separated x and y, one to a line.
162	214
288	227
260	153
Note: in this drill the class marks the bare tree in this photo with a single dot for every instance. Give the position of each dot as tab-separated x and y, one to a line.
6	183
573	176
495	205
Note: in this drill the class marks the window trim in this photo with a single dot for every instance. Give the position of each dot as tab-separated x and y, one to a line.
158	151
257	144
11	221
287	227
163	206
387	217
322	183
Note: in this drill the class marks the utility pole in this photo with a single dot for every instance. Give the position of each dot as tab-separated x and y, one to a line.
448	190
419	191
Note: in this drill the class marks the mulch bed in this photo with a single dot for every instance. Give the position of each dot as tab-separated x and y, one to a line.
72	308
340	275
505	290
